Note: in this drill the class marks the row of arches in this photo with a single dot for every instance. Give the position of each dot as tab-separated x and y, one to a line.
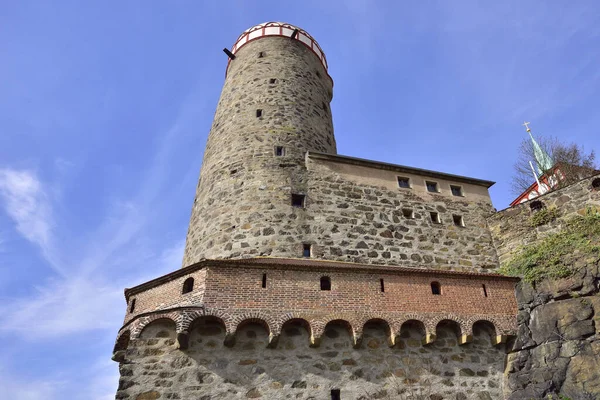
183	324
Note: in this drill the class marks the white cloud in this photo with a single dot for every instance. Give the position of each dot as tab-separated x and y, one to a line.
27	204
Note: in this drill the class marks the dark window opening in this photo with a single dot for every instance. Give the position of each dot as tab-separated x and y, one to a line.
306	250
279	151
435	217
408	213
298	200
335	394
432	186
381	285
403	182
264	281
456	190
272	81
232	172
132	305
435	288
258	113
458	220
484	290
325	283
261	54
596	184
536	205
188	285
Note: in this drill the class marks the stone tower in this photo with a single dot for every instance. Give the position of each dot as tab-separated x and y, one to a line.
274	107
313	275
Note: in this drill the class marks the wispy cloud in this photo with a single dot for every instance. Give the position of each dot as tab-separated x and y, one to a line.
28	205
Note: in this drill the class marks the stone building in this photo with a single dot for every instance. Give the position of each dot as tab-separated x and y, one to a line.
312	275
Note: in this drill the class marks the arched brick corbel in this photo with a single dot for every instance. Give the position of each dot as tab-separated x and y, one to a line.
317	330
430	336
357	338
466	332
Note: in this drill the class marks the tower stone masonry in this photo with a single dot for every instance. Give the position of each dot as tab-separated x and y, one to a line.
312	275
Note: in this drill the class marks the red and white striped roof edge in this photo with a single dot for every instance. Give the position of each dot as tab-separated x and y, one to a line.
279	29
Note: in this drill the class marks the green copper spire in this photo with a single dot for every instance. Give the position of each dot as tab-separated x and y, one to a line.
543	160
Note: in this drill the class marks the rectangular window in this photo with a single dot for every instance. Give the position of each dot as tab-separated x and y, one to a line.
272	81
258	113
306	250
381	285
484	290
456	190
458	220
298	200
279	151
335	394
408	213
403	182
261	54
264	281
435	217
432	186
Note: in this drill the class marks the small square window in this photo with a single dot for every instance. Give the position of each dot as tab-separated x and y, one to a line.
458	220
432	186
403	182
259	113
306	250
279	151
272	81
435	217
456	190
261	54
408	213
298	200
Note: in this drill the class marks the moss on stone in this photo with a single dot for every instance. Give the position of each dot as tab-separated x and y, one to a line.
544	216
552	256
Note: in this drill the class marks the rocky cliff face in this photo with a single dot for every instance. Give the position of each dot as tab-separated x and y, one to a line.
557	349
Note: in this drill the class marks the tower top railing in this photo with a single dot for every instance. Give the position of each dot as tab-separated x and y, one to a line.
279	29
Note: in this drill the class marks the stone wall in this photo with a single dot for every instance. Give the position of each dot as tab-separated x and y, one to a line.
154	369
512	228
557	347
349	217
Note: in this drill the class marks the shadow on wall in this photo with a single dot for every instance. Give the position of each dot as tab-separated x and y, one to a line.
373	370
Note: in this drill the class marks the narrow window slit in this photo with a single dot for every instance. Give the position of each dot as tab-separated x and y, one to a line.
306	250
188	286
435	288
381	285
264	281
485	294
458	220
408	213
132	306
298	200
279	151
335	394
259	113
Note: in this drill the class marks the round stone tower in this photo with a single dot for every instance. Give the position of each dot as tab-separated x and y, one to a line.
274	107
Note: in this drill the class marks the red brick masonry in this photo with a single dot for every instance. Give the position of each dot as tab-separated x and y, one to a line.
231	290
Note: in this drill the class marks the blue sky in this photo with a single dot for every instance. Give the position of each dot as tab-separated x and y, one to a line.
106	106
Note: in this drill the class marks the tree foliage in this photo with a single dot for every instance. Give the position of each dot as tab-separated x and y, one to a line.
575	163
